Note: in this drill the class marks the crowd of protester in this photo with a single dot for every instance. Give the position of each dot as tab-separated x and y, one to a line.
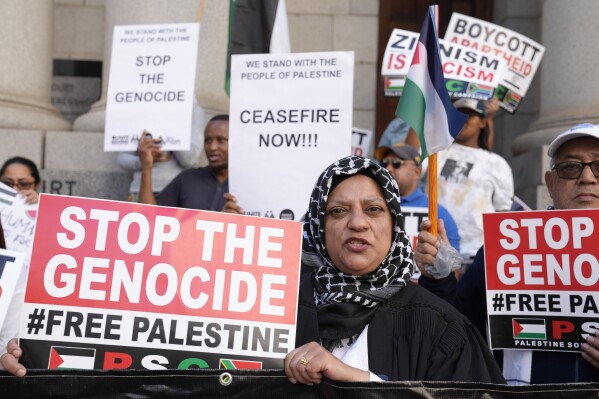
360	318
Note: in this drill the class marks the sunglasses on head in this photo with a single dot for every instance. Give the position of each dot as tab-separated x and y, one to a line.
396	163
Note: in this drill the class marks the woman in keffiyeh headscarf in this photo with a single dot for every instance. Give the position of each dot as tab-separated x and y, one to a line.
359	317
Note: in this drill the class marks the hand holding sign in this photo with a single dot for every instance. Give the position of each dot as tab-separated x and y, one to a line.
10	360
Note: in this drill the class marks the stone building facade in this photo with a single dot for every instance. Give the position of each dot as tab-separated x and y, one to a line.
43	33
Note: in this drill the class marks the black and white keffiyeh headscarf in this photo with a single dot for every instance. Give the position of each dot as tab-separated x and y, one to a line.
331	284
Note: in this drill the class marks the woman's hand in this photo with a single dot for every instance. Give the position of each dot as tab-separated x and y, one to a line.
231	205
428	245
311	362
10	360
31	196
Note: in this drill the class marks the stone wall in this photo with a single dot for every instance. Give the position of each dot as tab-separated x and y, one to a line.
74	163
341	25
80	31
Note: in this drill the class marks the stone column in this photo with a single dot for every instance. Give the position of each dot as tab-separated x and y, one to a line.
26	67
212	58
568	71
142	12
567	92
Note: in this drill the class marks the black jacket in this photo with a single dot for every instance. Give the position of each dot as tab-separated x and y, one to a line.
414	336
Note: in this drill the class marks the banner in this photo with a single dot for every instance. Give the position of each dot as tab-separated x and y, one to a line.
360	142
522	55
151	85
468	72
124	285
542	273
261	384
291	117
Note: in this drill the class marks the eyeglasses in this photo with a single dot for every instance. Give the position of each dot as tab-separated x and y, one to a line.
396	163
22	185
572	170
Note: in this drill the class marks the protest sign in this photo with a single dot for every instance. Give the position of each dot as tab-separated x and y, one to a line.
399	52
522	55
542	273
361	139
468	72
151	85
18	220
413	216
291	117
11	264
122	285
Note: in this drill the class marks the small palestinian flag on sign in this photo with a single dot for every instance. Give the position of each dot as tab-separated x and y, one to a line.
65	357
529	329
235	364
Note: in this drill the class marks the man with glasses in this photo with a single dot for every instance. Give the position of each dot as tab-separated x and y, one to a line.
570	183
403	162
573	183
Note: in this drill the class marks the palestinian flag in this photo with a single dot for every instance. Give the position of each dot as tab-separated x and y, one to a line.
529	329
425	104
65	357
256	27
235	364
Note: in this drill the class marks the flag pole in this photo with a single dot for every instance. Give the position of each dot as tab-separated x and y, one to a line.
432	163
200	11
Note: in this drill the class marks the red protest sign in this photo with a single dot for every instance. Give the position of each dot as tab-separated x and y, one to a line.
147	287
542	270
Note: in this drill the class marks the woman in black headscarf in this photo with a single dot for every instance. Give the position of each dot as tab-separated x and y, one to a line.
359	317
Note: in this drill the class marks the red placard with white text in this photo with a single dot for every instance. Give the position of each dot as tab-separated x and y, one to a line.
542	273
122	285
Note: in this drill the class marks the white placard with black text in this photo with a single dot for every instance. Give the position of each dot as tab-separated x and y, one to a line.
151	85
291	117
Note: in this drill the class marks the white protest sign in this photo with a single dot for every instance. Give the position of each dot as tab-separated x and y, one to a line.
18	220
11	263
468	72
398	53
290	118
361	139
522	55
151	85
